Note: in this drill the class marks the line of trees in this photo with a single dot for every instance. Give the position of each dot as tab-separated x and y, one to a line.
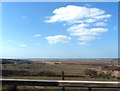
88	73
27	73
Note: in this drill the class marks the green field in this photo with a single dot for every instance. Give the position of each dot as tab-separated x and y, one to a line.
41	68
51	70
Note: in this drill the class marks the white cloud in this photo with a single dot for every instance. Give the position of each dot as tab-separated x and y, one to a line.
98	38
72	13
82	29
37	35
100	24
58	39
86	38
24	17
103	16
23	45
84	33
83	43
84	22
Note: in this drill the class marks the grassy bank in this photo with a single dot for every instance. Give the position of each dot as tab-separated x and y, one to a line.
39	88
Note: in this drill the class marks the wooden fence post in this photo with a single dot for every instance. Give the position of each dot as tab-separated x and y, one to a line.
14	88
89	89
62	75
63	88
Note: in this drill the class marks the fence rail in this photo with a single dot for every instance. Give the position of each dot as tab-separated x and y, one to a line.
61	83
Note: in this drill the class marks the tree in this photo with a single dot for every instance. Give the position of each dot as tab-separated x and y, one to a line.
91	72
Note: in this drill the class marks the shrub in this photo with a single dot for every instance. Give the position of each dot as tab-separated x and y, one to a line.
91	72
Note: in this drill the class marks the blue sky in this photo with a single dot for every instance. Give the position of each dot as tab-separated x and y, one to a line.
62	30
60	0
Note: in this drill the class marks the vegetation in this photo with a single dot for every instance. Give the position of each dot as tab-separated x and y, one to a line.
94	74
91	72
52	69
38	88
74	69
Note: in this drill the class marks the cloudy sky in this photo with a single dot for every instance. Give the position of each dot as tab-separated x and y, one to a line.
60	0
62	30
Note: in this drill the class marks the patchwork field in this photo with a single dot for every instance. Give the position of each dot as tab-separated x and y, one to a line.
51	69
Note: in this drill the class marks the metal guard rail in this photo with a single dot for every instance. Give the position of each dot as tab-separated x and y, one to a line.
61	83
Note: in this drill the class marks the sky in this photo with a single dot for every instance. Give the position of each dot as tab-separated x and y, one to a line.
60	0
59	30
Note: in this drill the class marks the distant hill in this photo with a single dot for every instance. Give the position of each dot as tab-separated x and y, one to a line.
14	61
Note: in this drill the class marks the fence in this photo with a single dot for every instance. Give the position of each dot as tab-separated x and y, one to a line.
60	83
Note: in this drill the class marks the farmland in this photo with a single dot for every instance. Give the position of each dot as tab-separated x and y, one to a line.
51	69
42	69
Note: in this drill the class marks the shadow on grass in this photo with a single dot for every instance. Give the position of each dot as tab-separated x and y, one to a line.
39	88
